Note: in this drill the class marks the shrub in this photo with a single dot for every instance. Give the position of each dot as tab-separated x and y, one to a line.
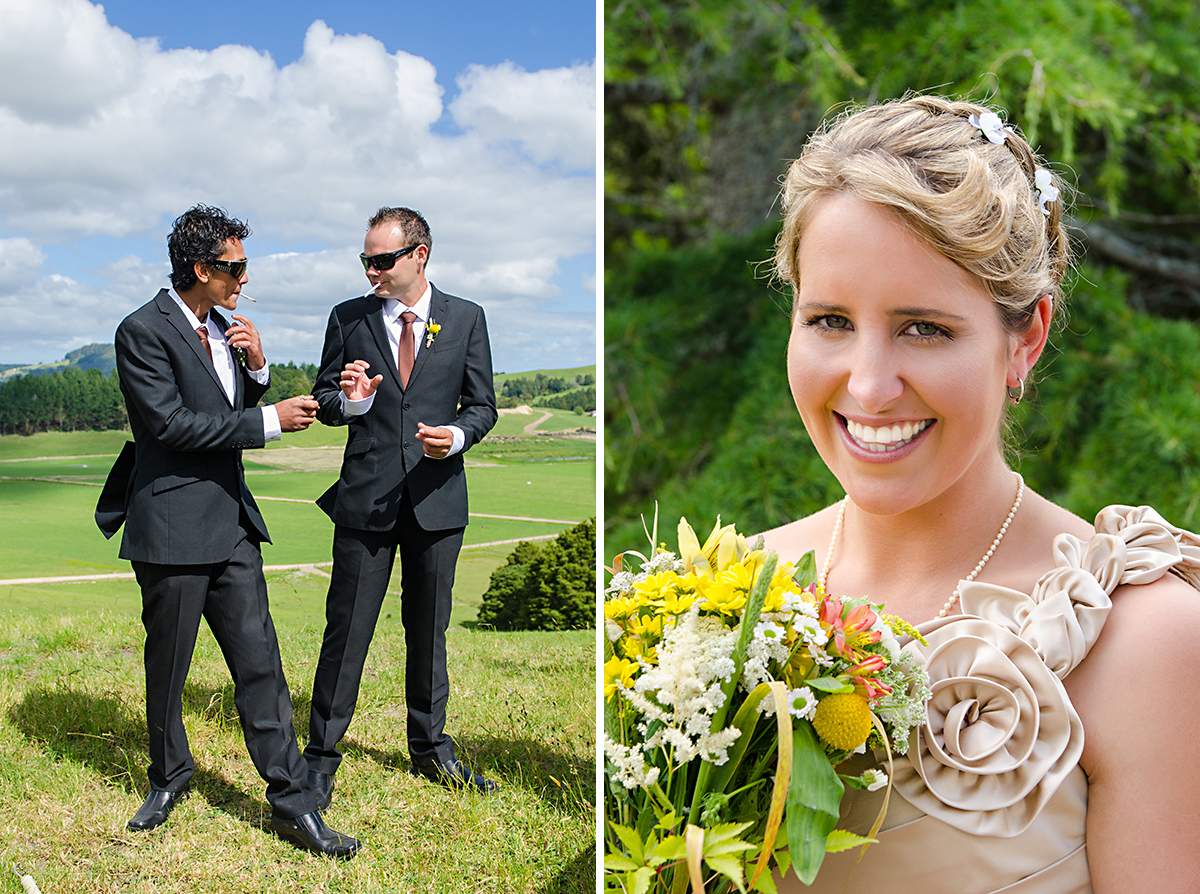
545	588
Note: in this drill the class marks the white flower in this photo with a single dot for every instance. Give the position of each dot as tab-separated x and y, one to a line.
630	764
991	125
796	602
623	581
802	703
1046	190
614	630
768	630
874	780
810	631
817	654
684	691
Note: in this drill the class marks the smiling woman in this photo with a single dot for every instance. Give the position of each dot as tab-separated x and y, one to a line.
923	243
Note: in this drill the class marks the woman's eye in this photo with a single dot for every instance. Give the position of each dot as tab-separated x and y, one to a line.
833	321
926	330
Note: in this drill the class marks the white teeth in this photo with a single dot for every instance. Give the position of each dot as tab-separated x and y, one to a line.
885	438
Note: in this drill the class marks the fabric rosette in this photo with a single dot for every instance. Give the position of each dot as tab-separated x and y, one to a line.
1000	732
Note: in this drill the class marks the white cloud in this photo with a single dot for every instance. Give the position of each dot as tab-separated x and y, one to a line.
110	138
551	114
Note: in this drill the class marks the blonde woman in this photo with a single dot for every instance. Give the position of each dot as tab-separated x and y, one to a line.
924	244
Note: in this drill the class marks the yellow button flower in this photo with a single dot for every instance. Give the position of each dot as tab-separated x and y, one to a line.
843	720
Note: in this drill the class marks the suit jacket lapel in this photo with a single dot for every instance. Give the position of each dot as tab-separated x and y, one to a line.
439	308
168	306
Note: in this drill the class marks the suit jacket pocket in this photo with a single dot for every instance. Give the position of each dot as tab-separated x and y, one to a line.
451	344
359	446
181	478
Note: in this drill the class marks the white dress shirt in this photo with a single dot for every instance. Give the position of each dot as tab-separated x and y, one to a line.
224	364
392	308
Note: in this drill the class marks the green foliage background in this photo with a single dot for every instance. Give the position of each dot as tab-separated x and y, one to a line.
705	103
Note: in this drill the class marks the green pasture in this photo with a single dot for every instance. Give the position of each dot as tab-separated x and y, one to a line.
49	485
500	378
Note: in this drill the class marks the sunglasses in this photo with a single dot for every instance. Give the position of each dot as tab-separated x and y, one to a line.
387	260
233	268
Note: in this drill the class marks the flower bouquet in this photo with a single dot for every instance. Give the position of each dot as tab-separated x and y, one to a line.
733	688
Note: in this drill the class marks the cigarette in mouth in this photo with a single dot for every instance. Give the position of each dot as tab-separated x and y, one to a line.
247	297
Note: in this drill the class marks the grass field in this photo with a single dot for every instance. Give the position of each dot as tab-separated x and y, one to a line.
72	728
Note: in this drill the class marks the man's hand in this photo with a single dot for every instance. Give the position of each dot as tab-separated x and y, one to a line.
437	440
355	384
296	413
245	336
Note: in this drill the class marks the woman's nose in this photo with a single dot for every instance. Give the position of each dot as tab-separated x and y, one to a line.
875	380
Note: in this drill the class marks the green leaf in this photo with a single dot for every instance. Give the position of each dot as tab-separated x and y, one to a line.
829	684
806	570
730	867
632	841
841	840
620	863
745	719
814	796
724	838
641	881
766	884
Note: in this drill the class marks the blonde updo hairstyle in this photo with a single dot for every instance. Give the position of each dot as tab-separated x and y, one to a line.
971	199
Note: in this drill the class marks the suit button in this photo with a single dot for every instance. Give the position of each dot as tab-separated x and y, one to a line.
407	405
406	445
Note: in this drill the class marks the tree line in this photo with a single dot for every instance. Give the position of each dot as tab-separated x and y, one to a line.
76	399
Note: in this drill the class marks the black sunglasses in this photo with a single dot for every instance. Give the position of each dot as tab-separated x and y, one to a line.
387	260
233	268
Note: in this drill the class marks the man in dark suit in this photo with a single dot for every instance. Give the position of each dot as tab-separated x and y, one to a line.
192	530
401	485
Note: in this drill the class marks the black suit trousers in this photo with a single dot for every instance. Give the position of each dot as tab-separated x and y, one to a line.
232	597
362	568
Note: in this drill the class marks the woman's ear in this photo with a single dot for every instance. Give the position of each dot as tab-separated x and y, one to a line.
1027	346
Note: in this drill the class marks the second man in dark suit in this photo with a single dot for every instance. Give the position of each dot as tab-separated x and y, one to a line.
408	369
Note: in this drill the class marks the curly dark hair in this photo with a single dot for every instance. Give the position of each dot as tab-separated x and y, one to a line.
416	230
200	234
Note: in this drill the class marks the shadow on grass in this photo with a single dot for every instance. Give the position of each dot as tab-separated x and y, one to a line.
577	877
562	781
107	735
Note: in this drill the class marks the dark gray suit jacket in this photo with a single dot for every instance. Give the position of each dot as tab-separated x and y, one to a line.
181	488
451	383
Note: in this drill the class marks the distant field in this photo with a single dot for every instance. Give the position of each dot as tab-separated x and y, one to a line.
47	528
501	378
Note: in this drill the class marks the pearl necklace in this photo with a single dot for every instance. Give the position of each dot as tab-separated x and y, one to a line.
837	532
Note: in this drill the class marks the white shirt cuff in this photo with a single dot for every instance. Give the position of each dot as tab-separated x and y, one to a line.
262	376
459	440
271	428
356	407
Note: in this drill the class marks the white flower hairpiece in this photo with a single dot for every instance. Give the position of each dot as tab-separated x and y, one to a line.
991	125
1046	190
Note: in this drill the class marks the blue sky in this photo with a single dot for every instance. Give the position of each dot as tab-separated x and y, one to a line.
301	118
534	34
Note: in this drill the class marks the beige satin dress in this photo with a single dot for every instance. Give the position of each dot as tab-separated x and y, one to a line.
991	797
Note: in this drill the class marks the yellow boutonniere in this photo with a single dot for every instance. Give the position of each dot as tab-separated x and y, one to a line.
430	331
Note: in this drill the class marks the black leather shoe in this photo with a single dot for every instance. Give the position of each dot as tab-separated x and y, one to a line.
322	786
310	832
155	810
453	774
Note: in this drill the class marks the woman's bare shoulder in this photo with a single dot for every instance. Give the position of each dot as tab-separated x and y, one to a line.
794	539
